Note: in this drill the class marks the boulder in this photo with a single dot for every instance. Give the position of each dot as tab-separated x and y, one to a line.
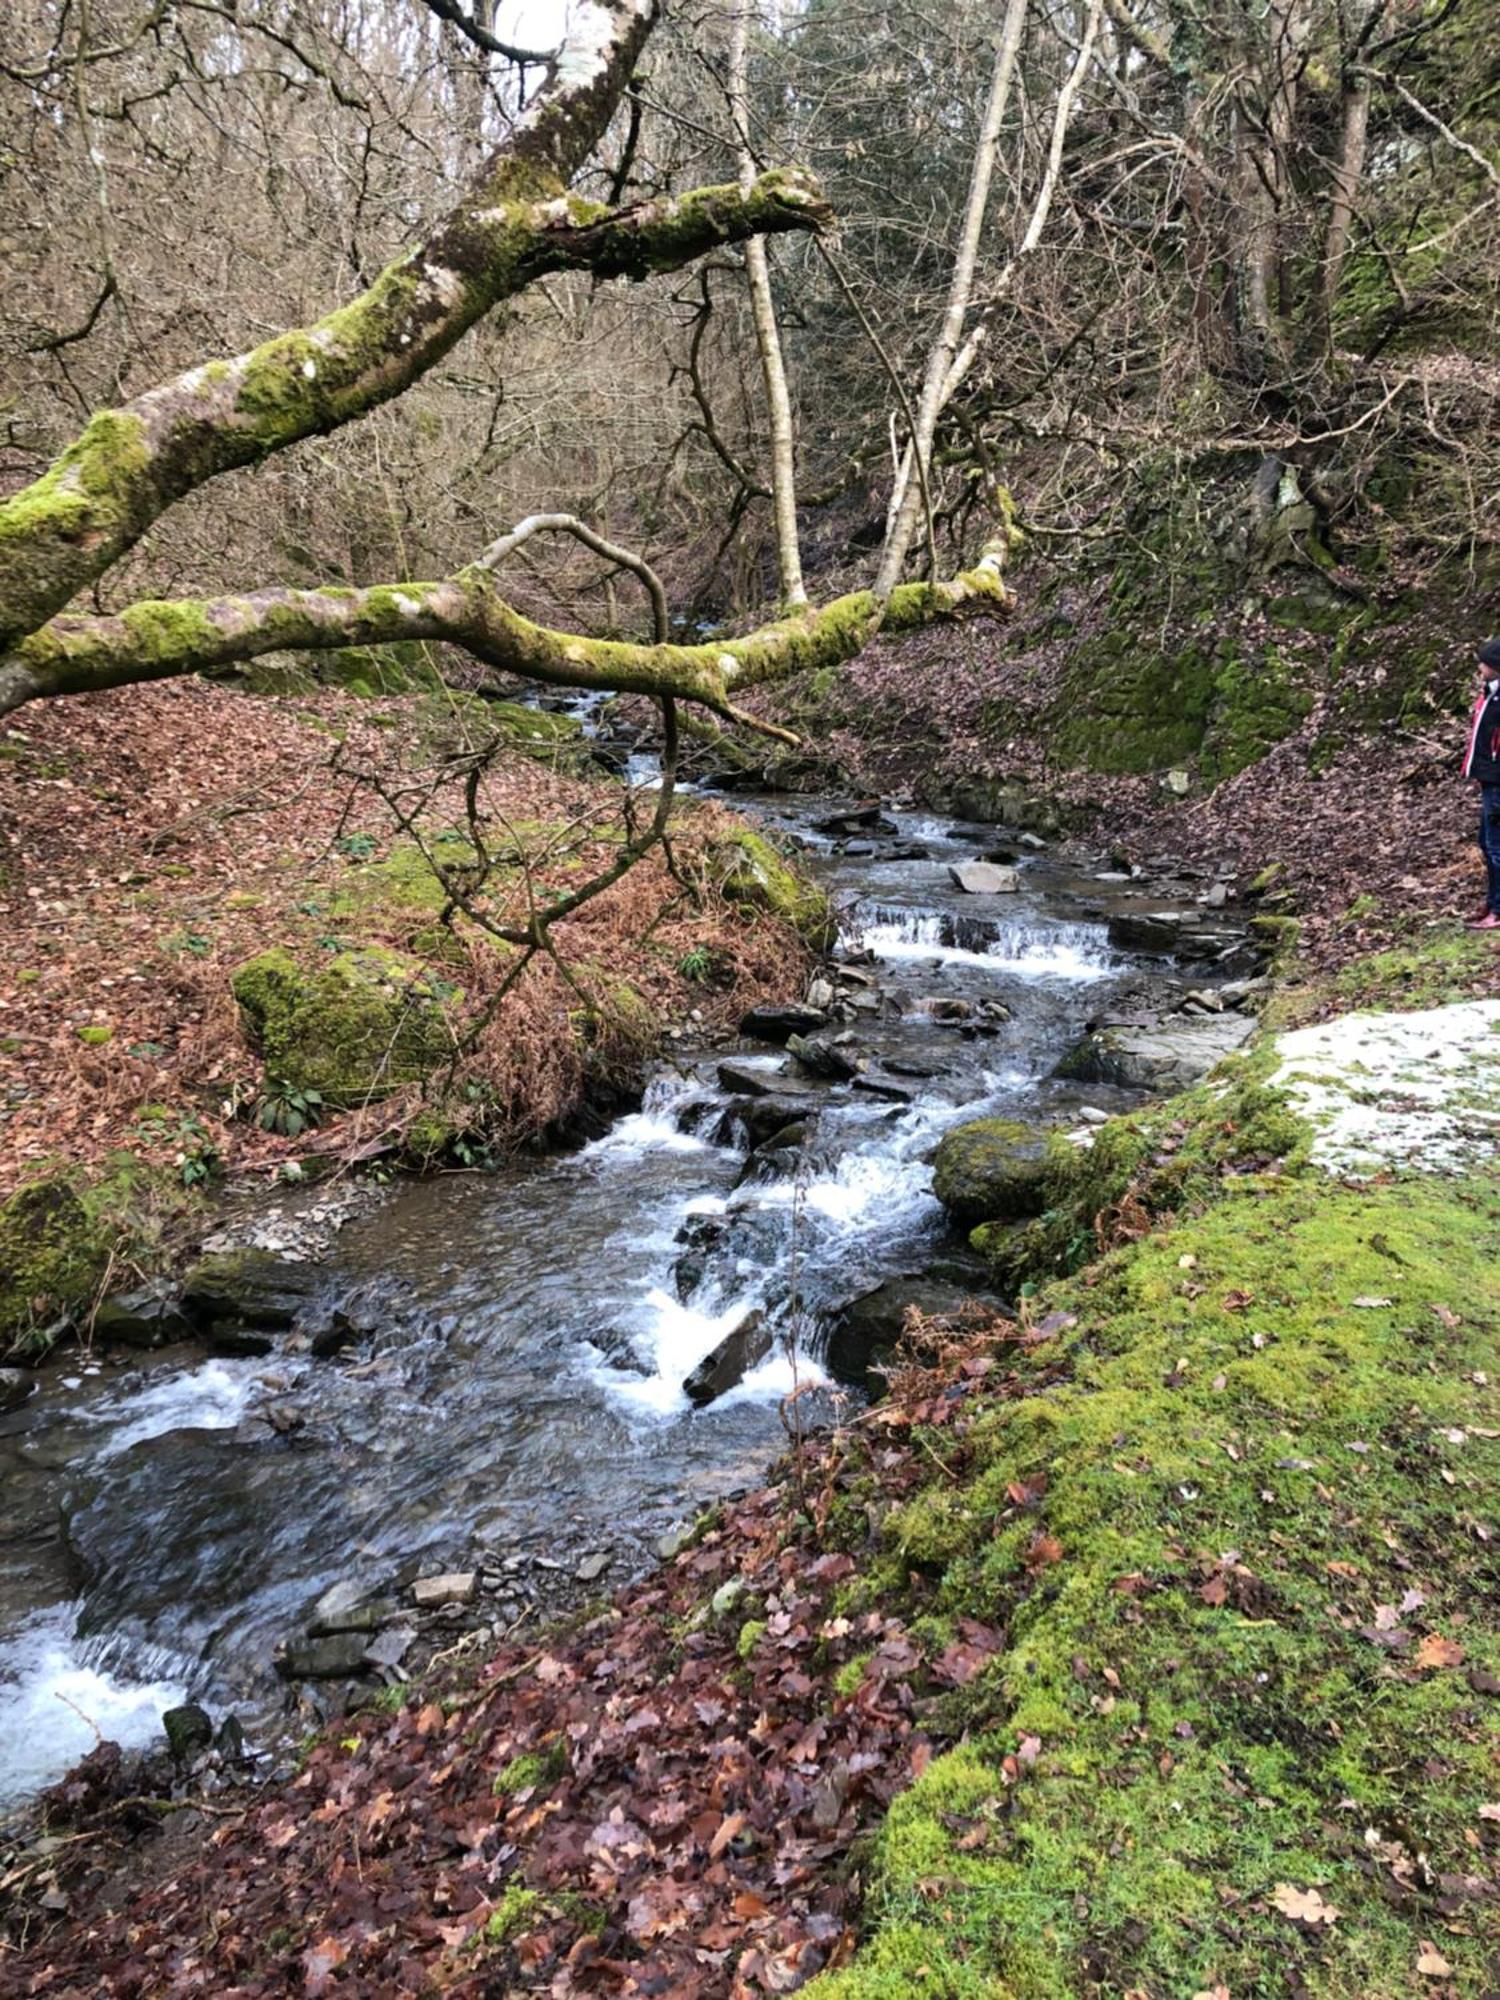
335	1656
776	1024
229	1336
1162	1056
355	1028
349	1607
744	1080
148	1316
824	1058
865	1333
699	1236
16	1387
1155	932
731	1361
189	1732
761	1118
859	819
250	1287
984	878
992	1167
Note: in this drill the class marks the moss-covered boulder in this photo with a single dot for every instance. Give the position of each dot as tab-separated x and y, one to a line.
992	1167
758	876
355	1029
50	1257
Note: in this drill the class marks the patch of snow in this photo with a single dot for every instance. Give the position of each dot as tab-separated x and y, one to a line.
1417	1091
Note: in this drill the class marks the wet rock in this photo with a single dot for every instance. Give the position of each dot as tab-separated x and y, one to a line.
148	1316
1162	1056
249	1287
189	1731
1033	841
777	1024
674	1541
984	878
992	1167
884	1088
821	995
335	1656
760	1118
902	1066
455	1586
349	1607
229	1741
745	1080
824	1058
859	819
865	1334
1203	1000
229	1336
390	1647
593	1566
728	1363
16	1387
1156	932
945	1007
341	1331
699	1236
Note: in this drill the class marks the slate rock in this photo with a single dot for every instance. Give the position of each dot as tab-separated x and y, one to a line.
189	1731
147	1316
776	1024
727	1364
824	1058
984	878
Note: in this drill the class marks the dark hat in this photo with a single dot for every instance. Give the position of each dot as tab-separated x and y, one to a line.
1489	653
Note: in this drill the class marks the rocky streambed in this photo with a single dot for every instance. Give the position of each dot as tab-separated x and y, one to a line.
382	1423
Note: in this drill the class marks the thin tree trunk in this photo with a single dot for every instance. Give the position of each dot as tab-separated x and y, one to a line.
902	519
767	335
1347	175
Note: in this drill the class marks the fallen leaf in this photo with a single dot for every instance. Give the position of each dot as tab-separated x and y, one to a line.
1436	1651
1432	1964
1303	1906
1371	1303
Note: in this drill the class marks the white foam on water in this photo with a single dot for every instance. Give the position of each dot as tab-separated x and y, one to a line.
1027	951
654	1127
57	1691
675	1337
212	1397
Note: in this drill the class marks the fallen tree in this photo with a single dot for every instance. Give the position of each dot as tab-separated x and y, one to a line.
517	222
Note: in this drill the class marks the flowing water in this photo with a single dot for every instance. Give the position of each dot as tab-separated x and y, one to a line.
523	1387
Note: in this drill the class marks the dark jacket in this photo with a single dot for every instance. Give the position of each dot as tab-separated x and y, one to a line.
1482	757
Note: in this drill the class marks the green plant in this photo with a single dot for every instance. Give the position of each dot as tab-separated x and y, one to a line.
696	965
357	846
288	1108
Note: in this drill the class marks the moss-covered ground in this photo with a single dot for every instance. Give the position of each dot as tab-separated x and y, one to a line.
1242	1543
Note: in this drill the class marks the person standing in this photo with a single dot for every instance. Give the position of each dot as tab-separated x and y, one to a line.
1482	763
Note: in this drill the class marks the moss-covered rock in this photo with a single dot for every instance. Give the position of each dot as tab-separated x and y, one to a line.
992	1167
62	1236
758	876
354	1029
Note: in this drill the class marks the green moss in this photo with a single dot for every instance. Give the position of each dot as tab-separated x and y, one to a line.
751	1633
535	1771
847	1681
95	1034
517	1910
354	1029
992	1167
61	1238
757	876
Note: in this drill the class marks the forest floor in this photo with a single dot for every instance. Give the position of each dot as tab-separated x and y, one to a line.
1143	1642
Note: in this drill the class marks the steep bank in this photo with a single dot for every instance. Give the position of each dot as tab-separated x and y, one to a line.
223	953
1151	1631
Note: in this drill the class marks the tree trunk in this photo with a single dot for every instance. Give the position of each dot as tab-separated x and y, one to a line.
767	335
907	497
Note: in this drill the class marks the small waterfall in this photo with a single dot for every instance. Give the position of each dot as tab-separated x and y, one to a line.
1027	947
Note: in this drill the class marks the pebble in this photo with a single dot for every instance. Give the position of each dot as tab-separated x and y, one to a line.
593	1566
431	1593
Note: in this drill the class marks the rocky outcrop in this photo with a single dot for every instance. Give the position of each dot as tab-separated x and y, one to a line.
1156	1056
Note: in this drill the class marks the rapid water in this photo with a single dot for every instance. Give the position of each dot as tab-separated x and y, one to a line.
522	1388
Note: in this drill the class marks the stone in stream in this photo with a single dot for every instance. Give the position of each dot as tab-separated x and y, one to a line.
769	1160
777	1024
745	1080
148	1316
250	1287
229	1336
824	1058
760	1118
333	1657
349	1607
341	1330
730	1362
820	994
858	819
984	878
1158	1056
883	1087
698	1236
188	1730
992	1167
16	1387
454	1586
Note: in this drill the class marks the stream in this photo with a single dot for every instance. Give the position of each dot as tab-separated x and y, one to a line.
518	1399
